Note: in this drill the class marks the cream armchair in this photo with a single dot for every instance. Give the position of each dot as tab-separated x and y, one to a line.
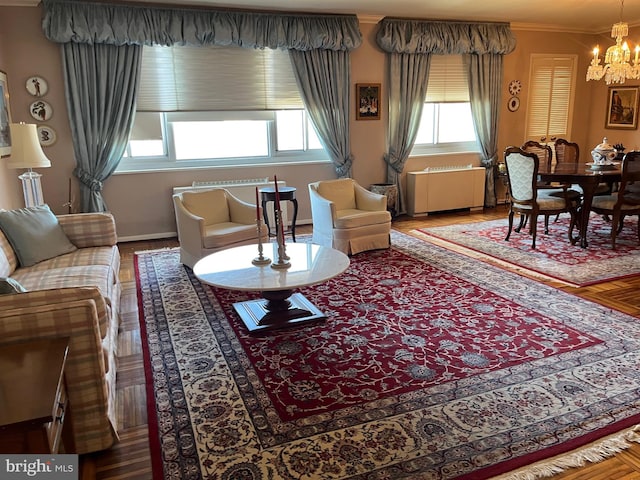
348	217
212	220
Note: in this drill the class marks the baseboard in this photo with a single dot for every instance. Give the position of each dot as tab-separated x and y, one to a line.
159	236
147	236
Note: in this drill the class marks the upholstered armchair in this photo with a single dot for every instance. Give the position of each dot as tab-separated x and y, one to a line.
211	220
348	217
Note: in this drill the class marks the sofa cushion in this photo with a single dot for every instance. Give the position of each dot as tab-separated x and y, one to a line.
10	285
359	218
8	259
35	234
224	234
211	205
341	192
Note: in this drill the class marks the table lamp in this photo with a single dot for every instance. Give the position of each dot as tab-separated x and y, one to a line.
26	152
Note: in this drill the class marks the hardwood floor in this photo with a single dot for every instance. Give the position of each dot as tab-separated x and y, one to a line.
130	459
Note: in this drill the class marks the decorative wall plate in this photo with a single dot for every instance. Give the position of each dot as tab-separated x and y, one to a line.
41	110
514	104
514	87
47	135
37	86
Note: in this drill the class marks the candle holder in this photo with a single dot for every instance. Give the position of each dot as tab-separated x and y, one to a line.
260	259
283	259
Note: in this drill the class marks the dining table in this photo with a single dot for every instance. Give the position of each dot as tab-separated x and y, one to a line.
588	176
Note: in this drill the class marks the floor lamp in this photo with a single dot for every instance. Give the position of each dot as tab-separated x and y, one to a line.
26	152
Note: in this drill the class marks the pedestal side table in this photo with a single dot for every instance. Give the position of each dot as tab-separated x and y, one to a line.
268	194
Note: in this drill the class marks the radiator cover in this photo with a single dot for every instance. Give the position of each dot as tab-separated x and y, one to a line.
438	190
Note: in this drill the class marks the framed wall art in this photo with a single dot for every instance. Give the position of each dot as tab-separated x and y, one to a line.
622	108
5	117
368	101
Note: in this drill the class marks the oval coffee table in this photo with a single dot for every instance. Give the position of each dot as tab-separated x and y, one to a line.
279	306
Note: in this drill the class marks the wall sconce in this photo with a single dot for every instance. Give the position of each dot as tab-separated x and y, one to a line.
26	152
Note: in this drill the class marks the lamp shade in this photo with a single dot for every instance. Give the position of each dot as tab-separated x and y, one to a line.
26	151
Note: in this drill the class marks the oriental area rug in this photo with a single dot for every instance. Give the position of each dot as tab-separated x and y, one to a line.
430	365
554	257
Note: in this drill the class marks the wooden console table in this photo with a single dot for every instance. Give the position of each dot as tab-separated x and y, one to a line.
35	415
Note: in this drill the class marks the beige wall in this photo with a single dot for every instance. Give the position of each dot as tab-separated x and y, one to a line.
141	203
10	196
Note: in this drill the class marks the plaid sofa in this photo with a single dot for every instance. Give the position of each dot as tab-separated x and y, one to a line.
76	295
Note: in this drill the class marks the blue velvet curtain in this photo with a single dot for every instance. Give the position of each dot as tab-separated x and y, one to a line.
323	80
89	26
408	78
101	87
485	78
423	38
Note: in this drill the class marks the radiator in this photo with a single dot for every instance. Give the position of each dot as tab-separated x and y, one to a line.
445	188
245	190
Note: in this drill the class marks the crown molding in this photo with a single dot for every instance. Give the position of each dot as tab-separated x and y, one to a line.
19	3
366	18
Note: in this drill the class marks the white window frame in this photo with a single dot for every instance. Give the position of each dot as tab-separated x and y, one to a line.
448	84
169	161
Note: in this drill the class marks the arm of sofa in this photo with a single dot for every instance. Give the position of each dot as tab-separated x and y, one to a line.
367	200
71	313
323	211
89	229
241	212
190	227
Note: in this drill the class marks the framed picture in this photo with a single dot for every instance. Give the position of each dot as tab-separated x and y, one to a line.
5	117
622	108
368	101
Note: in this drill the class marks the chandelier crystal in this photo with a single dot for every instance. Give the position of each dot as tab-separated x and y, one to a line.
616	68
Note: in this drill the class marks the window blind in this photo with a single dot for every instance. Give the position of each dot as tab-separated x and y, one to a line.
447	80
550	96
182	78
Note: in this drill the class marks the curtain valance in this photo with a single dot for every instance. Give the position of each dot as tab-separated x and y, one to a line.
444	37
87	22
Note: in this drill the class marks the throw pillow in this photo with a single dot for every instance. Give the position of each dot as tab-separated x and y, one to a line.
35	234
9	285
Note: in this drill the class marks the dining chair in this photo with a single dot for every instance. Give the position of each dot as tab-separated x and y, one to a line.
566	151
528	199
626	201
569	152
545	156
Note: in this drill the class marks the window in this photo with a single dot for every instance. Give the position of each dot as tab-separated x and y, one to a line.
550	107
446	124
218	106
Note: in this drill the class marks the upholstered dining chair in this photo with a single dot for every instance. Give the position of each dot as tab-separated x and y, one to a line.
544	152
214	219
626	201
527	199
348	217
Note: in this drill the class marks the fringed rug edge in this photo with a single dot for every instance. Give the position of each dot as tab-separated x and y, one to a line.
595	452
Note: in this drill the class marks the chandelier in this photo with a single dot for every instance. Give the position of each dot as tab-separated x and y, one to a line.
617	67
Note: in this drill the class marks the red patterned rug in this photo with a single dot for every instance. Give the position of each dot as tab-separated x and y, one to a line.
554	257
429	365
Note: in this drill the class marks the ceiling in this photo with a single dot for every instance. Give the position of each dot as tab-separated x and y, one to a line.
595	16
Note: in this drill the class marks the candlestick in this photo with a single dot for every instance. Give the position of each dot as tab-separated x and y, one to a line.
635	61
257	206
260	259
283	259
275	179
